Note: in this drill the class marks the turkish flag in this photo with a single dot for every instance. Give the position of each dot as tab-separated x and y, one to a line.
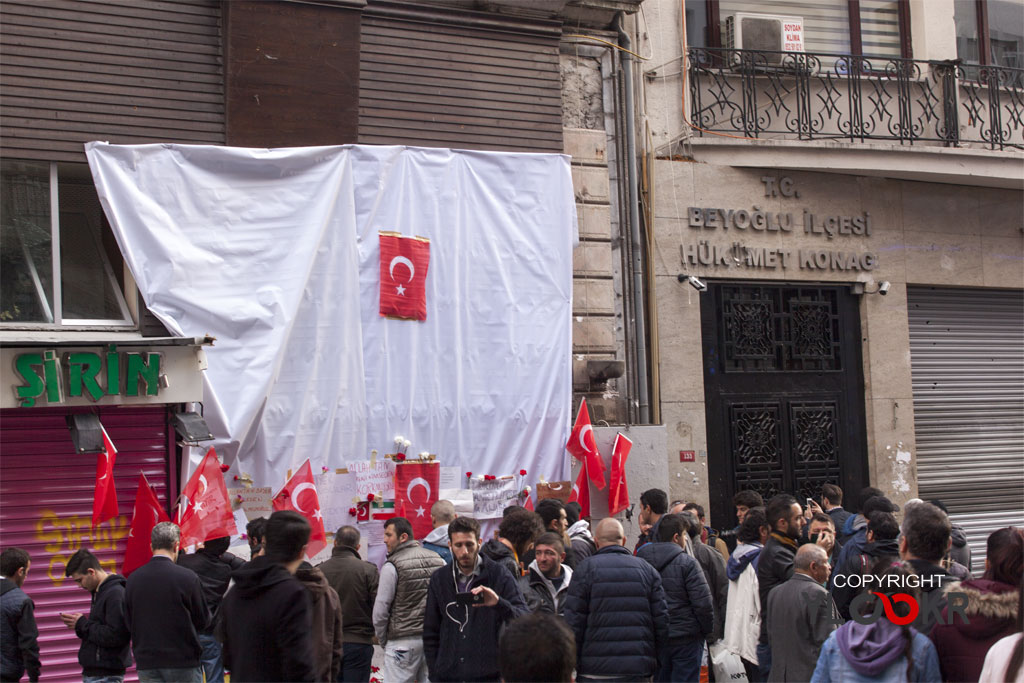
618	494
416	488
583	447
104	500
403	276
581	492
147	514
299	494
207	509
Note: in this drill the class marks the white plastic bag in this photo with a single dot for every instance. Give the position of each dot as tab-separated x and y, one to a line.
727	665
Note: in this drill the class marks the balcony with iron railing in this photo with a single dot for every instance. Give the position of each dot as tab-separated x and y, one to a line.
818	96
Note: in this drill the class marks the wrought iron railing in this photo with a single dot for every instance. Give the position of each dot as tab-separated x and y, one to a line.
813	96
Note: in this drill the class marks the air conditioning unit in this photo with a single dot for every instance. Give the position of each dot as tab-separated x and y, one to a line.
770	33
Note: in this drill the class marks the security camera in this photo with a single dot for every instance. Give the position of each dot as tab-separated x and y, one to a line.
697	283
883	287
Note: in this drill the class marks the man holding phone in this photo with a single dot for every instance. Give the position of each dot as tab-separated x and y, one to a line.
104	653
468	601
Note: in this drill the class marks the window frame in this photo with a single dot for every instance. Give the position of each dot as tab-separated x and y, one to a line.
714	29
125	293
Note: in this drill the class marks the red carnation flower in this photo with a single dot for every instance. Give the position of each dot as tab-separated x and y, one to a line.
522	473
225	468
400	457
353	511
468	475
369	497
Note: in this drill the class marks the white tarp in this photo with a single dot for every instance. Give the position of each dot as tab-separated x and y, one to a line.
275	253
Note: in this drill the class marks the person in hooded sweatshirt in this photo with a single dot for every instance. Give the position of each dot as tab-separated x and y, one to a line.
881	541
991	609
328	638
743	608
690	607
441	514
881	650
580	538
516	534
105	652
266	619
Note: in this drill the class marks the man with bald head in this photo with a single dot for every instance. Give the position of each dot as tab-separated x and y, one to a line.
617	611
801	615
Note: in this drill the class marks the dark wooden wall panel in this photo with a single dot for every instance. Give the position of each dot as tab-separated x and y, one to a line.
292	73
115	70
446	80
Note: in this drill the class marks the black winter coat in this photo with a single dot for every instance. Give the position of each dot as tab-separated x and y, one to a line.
690	607
498	552
266	623
774	567
214	574
460	643
617	610
105	637
711	562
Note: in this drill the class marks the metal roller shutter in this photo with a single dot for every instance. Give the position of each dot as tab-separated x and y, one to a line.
967	365
46	494
440	78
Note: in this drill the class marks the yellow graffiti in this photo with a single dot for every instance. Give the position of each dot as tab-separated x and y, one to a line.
64	535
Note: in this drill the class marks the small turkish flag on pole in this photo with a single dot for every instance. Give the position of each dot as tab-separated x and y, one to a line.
205	512
618	494
416	489
104	500
147	514
582	446
581	492
403	276
299	494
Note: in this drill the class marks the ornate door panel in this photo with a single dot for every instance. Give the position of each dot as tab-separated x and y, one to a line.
783	391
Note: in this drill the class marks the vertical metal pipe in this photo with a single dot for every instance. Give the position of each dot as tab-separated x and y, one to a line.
634	223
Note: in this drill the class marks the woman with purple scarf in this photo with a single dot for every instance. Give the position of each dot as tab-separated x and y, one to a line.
880	651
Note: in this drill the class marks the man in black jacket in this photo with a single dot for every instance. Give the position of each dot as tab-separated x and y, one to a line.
775	564
355	580
266	619
213	565
546	582
617	611
713	566
468	602
105	652
19	637
883	532
165	611
690	608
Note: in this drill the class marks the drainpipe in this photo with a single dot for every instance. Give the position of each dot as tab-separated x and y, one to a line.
634	221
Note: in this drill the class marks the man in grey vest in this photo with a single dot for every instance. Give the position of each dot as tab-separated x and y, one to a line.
402	601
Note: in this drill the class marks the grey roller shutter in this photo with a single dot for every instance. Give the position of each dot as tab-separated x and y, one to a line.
441	78
967	365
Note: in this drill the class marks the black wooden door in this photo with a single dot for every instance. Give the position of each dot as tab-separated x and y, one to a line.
783	390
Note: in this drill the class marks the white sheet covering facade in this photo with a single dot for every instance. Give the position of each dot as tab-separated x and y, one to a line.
275	253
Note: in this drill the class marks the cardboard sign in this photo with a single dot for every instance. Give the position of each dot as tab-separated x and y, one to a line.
560	490
491	497
377	478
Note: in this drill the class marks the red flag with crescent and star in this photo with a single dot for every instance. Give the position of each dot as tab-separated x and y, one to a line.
416	489
205	511
104	500
299	494
581	492
618	494
403	276
146	514
582	446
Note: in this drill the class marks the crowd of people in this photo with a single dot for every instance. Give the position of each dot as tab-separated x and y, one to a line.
792	593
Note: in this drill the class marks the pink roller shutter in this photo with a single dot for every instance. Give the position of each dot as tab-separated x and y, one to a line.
46	493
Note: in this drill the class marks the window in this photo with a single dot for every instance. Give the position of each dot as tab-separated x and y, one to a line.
51	223
873	28
990	32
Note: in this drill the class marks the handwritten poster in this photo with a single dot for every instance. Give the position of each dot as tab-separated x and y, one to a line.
377	478
490	498
255	501
336	492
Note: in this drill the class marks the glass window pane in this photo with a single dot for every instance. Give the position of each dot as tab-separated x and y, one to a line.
1006	32
965	16
880	28
696	23
89	290
26	261
826	22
